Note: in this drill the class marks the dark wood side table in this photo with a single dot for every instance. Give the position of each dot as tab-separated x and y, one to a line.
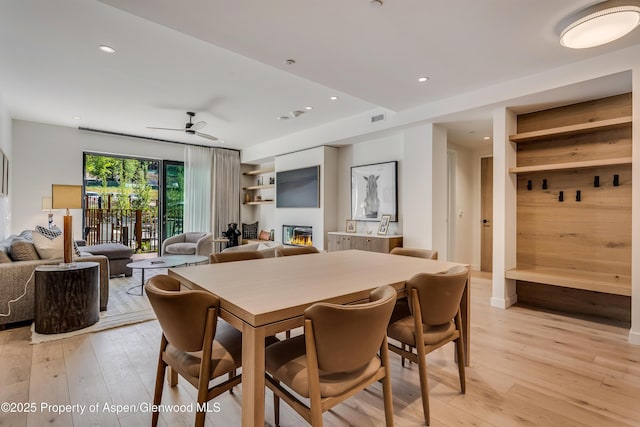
66	298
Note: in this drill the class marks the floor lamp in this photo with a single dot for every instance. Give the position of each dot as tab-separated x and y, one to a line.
67	197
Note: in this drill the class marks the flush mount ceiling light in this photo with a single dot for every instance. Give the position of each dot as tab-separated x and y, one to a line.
296	113
423	79
107	49
600	24
376	3
308	107
333	98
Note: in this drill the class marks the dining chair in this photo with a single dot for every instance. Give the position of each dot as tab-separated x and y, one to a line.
433	320
296	250
402	304
415	252
336	357
194	343
234	256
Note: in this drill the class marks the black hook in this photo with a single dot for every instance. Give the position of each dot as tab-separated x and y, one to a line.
616	180
578	195
561	196
544	184
529	185
596	181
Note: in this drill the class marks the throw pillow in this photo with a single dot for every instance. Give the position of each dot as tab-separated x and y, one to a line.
55	232
48	248
264	235
4	257
250	231
21	250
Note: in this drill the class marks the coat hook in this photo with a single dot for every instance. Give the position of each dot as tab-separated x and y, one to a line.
578	195
596	181
529	185
544	184
561	196
616	180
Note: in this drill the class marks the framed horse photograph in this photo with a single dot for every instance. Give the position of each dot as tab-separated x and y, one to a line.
374	190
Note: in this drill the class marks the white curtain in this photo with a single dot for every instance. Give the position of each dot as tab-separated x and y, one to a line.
198	168
226	189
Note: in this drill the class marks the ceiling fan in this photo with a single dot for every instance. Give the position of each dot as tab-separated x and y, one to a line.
191	128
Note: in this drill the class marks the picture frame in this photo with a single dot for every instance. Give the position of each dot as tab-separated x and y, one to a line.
352	226
374	189
383	227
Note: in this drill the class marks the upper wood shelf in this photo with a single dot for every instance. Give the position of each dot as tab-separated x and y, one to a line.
572	165
598	282
571	130
259	187
259	171
261	202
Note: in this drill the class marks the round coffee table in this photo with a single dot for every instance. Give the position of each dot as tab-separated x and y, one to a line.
151	263
188	259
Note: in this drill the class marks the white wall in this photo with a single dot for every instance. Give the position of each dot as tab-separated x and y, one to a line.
6	147
322	219
380	150
47	154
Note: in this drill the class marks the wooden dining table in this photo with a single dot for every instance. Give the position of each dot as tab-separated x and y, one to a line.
265	296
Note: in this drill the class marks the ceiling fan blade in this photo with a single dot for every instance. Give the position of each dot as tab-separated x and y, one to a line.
149	127
198	125
204	135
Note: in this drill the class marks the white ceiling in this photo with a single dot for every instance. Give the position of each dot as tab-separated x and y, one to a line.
225	60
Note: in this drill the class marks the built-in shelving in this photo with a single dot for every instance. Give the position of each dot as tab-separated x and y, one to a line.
259	171
259	202
259	187
570	130
585	280
571	165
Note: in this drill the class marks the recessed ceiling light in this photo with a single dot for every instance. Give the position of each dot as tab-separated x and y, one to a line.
486	137
107	49
376	3
289	61
600	24
423	79
308	107
333	98
76	118
283	118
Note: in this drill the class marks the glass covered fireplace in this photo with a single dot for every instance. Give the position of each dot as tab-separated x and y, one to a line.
297	235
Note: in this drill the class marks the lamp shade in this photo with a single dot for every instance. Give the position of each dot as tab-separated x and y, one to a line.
66	196
602	26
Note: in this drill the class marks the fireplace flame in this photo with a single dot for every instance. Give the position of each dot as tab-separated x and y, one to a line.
301	240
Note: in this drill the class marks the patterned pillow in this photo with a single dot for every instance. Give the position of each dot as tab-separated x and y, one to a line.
250	231
53	233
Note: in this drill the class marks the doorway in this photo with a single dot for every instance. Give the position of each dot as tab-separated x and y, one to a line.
486	213
172	198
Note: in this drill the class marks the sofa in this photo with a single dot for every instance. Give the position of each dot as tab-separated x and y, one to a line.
193	243
15	275
267	248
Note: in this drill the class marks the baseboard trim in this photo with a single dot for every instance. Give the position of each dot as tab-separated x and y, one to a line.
634	337
503	303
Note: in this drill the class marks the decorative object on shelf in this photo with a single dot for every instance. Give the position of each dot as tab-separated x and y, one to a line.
578	196
529	185
544	184
561	196
352	225
247	197
258	198
384	225
374	189
616	180
260	180
272	180
67	197
596	181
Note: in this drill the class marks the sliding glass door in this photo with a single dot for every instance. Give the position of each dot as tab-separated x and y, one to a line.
173	198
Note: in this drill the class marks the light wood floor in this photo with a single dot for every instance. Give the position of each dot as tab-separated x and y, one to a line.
528	368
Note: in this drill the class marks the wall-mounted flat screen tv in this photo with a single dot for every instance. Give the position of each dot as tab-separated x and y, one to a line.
298	188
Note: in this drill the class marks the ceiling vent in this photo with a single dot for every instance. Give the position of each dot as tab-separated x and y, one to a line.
377	118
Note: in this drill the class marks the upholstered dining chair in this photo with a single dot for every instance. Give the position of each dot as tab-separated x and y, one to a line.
402	304
414	252
296	250
433	320
335	358
194	344
234	256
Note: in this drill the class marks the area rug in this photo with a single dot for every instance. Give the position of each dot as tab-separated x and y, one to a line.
122	309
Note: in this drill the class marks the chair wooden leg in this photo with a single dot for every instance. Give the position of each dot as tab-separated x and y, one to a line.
404	347
460	353
276	409
287	334
173	377
232	375
386	385
424	384
157	394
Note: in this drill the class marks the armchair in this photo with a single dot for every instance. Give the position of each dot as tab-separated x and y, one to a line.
193	243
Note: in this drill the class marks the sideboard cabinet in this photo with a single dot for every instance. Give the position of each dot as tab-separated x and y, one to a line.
366	242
